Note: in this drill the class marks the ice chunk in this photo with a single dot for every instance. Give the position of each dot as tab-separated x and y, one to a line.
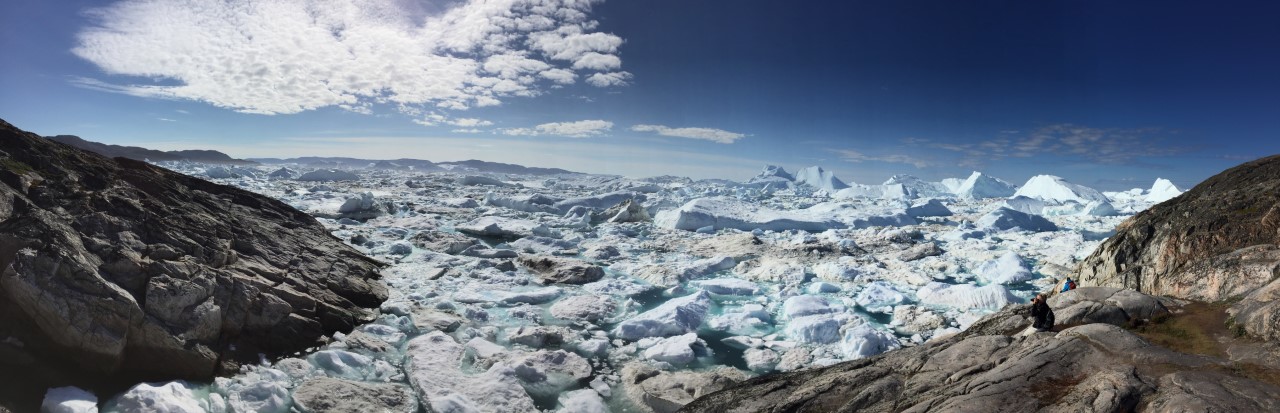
817	329
1051	188
761	360
69	400
979	186
329	175
879	294
1003	219
730	286
171	397
865	340
582	401
803	305
731	213
584	307
676	316
434	368
1008	269
547	373
816	177
530	296
931	208
966	296
844	269
505	227
1162	190
679	350
342	363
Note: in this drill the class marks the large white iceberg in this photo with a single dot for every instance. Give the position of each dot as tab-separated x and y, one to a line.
979	186
1055	189
816	177
1162	190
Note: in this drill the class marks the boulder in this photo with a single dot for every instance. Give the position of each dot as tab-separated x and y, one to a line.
114	268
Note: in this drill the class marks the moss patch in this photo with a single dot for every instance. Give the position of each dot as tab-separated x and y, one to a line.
15	166
1196	329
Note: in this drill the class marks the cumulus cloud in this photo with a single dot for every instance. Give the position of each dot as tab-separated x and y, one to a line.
289	56
707	134
579	129
858	157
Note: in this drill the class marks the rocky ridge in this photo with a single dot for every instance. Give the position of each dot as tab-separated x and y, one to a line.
992	367
114	269
1218	241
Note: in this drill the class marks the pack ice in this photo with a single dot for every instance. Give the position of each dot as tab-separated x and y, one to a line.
521	289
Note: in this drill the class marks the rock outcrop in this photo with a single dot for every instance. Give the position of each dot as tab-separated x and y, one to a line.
1096	367
1216	242
114	269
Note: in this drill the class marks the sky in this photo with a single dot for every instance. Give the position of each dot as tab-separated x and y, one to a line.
1106	94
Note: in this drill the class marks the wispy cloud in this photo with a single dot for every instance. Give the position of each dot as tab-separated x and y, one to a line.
434	119
279	57
859	157
706	134
166	119
578	129
1109	146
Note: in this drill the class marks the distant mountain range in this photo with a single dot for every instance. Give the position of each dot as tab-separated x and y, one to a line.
139	153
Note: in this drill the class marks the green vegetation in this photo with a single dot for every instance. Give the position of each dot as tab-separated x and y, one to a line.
15	166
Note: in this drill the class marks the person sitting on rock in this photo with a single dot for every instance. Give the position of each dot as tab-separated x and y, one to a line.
1042	314
1068	285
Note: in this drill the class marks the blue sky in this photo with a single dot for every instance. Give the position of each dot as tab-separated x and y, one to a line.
1106	94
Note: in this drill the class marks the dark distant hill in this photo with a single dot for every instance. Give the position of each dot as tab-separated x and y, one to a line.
139	153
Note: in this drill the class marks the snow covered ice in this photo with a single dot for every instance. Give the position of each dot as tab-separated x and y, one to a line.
515	293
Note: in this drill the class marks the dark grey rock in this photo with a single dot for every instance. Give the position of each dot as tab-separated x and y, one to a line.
114	267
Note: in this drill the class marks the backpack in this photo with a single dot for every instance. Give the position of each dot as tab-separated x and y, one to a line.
1071	285
1048	320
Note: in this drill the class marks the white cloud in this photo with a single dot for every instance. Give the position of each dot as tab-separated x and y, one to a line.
579	129
609	79
290	56
166	119
597	61
708	134
561	76
472	130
